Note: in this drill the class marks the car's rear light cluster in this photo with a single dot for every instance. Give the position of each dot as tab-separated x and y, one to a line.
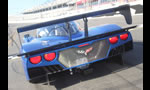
35	60
47	57
124	36
115	39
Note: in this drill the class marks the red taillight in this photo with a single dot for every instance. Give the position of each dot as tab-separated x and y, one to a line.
83	45
113	40
124	36
35	60
49	56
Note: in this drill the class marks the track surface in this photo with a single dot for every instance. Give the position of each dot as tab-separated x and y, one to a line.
106	76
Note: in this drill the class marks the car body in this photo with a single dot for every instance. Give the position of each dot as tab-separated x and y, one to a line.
63	46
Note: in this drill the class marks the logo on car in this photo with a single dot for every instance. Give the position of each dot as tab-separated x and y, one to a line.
85	52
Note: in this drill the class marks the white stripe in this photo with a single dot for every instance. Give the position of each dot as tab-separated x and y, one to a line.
13	57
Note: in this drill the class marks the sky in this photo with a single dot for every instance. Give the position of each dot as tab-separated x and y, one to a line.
17	6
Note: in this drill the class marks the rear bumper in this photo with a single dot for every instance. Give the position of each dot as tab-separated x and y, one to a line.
38	72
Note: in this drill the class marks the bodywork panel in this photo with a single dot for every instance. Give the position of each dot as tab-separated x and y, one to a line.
81	55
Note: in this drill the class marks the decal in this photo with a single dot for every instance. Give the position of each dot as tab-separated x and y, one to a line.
85	52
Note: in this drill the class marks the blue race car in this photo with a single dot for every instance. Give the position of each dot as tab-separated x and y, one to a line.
60	45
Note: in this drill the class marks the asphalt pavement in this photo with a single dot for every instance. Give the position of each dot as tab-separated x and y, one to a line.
106	76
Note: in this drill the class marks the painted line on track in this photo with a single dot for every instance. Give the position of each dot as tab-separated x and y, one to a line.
10	40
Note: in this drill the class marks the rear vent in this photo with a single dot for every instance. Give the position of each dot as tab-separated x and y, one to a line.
116	51
41	71
122	48
54	68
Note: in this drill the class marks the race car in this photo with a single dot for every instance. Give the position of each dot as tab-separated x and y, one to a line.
60	45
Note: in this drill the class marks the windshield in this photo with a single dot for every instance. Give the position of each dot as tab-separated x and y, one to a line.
57	30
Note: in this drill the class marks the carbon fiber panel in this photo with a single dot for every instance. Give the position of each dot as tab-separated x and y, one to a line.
76	56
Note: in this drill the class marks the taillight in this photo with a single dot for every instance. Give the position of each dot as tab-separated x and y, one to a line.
124	36
49	56
35	60
113	40
83	45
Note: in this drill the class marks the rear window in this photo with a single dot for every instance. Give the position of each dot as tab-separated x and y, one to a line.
56	30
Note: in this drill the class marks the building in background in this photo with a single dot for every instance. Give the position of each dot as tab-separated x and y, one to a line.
71	5
57	8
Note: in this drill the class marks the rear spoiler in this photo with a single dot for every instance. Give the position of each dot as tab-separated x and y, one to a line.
124	10
67	44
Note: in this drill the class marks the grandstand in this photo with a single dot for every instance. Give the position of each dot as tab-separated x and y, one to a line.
72	4
56	4
67	7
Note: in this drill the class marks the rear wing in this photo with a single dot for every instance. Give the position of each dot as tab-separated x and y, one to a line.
124	10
